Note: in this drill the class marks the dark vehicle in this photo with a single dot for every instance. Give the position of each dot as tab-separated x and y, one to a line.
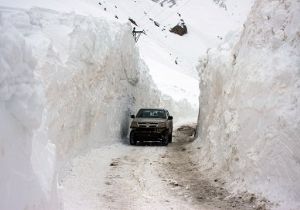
151	125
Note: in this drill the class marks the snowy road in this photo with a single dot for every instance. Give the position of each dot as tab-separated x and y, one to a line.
120	176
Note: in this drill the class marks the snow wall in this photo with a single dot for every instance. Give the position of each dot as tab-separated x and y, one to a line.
66	80
27	158
93	79
249	120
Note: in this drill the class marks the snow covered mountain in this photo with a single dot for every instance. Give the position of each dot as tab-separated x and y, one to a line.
164	52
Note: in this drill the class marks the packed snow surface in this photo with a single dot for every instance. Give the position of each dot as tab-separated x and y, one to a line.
120	176
249	120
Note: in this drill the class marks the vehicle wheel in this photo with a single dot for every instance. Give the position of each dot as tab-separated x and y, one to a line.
170	138
165	141
132	140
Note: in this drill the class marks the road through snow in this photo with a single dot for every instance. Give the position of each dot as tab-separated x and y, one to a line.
120	176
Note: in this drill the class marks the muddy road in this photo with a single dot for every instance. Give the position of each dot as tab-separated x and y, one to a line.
121	176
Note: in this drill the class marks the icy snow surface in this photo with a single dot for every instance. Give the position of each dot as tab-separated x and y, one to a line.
249	120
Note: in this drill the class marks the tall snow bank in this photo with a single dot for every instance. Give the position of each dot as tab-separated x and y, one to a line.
27	159
249	121
92	75
66	79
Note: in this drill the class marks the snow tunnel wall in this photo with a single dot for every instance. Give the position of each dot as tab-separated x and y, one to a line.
93	78
27	158
66	80
249	120
93	83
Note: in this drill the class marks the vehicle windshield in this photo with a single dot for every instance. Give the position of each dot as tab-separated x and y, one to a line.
151	113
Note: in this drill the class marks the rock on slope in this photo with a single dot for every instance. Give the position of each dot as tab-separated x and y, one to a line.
249	120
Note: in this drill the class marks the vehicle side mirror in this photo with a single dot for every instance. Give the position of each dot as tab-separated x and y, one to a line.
170	118
132	116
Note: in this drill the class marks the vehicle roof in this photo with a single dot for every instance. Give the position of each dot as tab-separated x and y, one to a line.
153	109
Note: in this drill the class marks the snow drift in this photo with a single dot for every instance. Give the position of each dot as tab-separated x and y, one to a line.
249	121
67	80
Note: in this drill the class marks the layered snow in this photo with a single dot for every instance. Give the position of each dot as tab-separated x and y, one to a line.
249	120
66	80
27	160
98	84
92	75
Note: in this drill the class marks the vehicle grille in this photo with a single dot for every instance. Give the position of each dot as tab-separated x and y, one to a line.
142	131
147	125
147	130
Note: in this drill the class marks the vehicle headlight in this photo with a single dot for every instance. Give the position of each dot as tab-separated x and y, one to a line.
134	124
162	125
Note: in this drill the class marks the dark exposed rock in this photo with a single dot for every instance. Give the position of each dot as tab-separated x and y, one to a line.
132	21
114	163
179	29
156	23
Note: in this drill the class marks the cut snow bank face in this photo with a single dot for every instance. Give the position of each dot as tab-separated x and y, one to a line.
249	121
66	79
98	84
92	75
27	159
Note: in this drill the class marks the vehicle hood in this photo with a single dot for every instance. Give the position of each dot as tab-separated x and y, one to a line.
149	120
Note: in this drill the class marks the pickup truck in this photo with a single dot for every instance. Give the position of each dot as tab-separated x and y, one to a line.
155	125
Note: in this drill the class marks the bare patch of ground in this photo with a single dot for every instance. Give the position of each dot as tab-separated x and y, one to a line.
187	181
